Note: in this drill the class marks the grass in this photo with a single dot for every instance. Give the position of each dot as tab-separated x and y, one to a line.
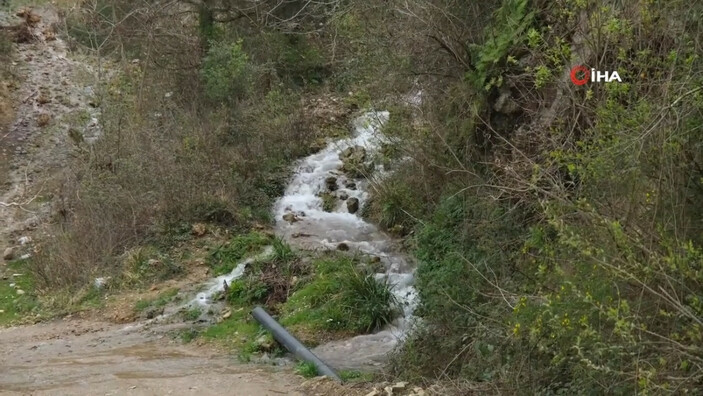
306	369
340	297
160	301
188	335
239	332
225	257
146	264
15	306
355	376
332	299
192	314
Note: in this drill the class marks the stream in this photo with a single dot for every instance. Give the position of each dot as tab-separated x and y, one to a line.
304	224
317	229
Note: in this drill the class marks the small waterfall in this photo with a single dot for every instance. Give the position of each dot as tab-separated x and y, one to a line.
314	228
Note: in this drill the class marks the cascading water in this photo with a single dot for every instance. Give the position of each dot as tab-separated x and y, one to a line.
303	223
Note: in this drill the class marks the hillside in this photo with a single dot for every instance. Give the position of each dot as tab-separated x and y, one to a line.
495	197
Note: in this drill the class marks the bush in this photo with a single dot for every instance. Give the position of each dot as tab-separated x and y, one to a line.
226	71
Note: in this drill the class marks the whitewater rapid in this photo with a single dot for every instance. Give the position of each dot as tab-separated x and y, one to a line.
316	229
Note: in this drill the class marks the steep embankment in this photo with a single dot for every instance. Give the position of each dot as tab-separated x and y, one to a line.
52	103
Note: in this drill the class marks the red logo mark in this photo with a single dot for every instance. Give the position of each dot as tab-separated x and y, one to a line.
574	75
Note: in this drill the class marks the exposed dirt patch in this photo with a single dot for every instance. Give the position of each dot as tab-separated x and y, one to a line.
80	357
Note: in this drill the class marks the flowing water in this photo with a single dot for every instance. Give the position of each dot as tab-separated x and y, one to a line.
309	227
318	229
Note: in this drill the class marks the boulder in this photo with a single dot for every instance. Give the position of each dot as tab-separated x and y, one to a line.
9	254
353	205
290	217
342	195
343	247
331	183
354	153
198	229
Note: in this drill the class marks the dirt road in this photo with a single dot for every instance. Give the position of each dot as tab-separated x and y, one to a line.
78	357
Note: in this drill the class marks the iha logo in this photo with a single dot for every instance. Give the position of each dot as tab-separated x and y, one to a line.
580	75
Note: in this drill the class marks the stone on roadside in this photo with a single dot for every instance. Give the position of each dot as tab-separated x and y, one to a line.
199	229
9	254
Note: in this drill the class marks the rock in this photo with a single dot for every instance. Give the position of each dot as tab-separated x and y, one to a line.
342	195
153	312
398	230
417	391
227	315
264	343
290	217
391	389
350	185
9	254
346	153
24	240
374	392
353	205
331	183
99	283
343	247
199	229
20	292
153	262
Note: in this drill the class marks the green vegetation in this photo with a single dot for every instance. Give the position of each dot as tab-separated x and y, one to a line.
224	71
340	297
556	227
159	301
306	369
333	296
354	376
224	258
17	299
192	314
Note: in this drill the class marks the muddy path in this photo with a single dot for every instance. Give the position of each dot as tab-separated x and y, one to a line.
77	357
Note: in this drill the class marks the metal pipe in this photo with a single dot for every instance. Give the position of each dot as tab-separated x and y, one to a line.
291	343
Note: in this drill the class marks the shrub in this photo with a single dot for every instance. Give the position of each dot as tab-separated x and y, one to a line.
306	369
226	72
